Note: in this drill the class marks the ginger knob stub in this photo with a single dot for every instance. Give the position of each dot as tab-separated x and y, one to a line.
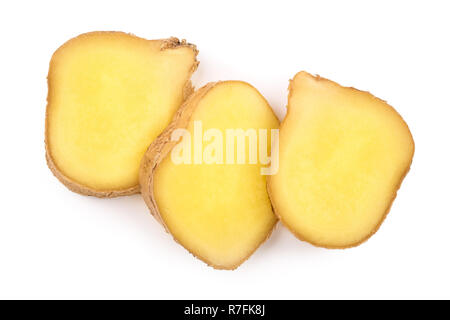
110	94
343	156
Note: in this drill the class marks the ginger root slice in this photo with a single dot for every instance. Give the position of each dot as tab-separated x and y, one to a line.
221	213
343	156
110	95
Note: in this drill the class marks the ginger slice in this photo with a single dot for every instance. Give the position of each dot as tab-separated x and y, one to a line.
110	94
343	156
221	213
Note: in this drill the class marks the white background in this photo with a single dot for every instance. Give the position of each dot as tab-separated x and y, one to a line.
58	244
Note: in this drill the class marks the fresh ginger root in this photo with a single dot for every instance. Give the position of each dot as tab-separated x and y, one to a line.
220	212
110	95
343	156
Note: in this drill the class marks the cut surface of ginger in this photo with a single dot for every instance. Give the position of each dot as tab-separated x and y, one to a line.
343	155
110	95
219	212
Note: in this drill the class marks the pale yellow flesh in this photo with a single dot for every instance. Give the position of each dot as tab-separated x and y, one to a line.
110	95
220	213
343	154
